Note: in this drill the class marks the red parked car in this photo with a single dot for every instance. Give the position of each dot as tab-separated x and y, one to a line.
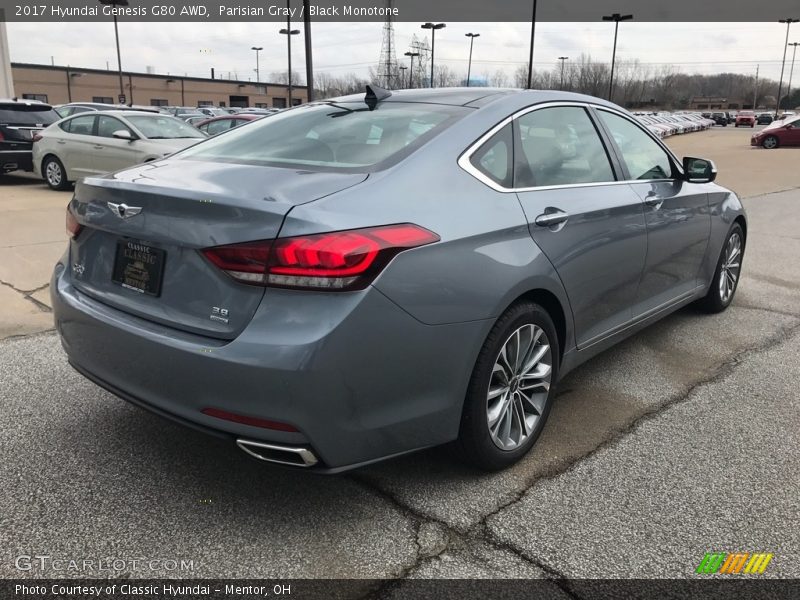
216	125
779	133
746	118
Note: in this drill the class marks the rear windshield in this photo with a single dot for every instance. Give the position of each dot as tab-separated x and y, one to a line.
332	136
27	116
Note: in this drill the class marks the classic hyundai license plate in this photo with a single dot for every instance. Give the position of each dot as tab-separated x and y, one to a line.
138	267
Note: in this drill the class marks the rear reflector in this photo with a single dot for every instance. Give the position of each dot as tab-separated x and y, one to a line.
73	227
336	261
253	421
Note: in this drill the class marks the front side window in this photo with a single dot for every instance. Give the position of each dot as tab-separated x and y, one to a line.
643	156
106	126
559	146
215	127
332	136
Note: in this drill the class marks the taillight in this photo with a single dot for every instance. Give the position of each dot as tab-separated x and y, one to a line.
73	227
36	137
336	261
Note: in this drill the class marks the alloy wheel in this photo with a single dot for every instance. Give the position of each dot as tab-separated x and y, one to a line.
518	387
730	268
53	173
770	143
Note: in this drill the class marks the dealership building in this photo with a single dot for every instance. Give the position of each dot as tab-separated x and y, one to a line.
59	85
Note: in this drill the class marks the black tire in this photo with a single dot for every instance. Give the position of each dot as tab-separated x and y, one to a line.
54	174
713	302
773	142
475	445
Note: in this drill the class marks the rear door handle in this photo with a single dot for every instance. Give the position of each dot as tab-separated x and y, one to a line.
61	141
548	219
98	147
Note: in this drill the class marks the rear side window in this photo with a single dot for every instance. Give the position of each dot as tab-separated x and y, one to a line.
332	136
643	156
559	146
494	158
83	125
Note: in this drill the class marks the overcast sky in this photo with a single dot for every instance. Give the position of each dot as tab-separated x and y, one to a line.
193	48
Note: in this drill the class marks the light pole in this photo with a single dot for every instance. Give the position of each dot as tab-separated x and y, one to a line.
533	34
616	17
258	72
433	27
309	59
783	64
289	33
563	59
411	55
471	37
791	71
403	75
114	4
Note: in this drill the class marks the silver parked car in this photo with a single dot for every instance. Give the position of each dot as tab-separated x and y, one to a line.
99	142
359	278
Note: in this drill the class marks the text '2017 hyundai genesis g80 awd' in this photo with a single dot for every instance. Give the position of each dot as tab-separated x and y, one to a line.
359	278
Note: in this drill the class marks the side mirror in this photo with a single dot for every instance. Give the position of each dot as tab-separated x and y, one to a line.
123	134
788	126
699	170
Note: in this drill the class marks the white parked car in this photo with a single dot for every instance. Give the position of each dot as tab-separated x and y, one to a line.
99	142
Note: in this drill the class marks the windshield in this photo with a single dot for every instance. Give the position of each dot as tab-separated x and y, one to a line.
332	136
28	116
161	127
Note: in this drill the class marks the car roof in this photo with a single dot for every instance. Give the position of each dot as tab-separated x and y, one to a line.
12	102
126	113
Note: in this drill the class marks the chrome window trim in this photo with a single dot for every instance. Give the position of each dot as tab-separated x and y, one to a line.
464	161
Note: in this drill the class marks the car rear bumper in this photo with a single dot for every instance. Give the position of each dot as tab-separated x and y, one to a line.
16	160
358	377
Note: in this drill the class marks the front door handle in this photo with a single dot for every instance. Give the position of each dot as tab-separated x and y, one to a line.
97	147
653	200
548	219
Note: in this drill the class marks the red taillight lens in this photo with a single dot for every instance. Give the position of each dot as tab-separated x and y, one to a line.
73	227
253	421
36	137
337	261
244	262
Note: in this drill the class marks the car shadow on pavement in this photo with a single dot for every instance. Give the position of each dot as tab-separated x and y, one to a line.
595	404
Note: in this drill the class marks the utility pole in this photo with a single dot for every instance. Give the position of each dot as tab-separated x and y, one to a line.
783	64
755	93
411	55
563	59
289	32
471	37
433	27
258	70
791	71
533	35
114	4
616	17
309	50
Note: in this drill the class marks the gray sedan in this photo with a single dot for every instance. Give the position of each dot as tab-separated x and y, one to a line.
359	278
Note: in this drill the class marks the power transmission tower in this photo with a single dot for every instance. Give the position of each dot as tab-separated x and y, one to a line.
387	64
421	64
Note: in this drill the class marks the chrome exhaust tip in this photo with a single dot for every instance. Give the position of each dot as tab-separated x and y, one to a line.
282	455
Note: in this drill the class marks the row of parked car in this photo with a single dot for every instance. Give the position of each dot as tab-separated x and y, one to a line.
70	141
746	118
667	124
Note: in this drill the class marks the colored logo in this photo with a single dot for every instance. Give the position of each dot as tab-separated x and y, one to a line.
734	563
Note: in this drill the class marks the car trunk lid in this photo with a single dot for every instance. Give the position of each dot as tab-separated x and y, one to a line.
143	228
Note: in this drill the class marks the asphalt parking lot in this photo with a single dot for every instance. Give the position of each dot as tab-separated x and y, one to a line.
682	440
